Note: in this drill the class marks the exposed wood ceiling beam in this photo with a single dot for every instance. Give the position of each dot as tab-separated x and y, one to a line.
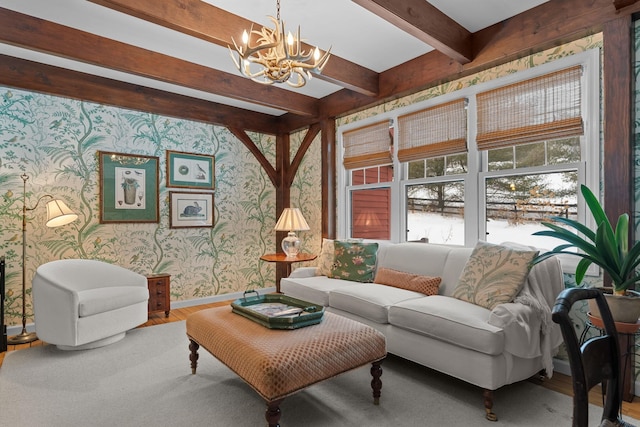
425	22
33	76
205	21
45	36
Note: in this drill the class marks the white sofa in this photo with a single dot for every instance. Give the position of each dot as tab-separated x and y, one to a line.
487	348
80	304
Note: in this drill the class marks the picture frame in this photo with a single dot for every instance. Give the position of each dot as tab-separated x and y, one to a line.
128	188
189	170
190	209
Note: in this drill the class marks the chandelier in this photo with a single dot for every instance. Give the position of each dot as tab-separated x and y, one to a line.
277	58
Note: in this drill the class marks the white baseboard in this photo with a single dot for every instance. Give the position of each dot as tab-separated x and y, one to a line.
16	329
215	298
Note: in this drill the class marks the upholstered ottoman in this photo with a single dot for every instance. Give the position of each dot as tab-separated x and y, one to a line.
277	363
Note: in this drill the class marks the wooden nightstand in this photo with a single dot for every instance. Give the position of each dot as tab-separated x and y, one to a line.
159	293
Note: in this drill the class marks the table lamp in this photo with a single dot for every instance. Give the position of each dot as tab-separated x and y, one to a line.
58	213
291	220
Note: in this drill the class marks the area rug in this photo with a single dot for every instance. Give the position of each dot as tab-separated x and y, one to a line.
146	380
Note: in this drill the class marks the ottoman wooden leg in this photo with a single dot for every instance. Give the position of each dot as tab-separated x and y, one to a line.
273	413
376	383
194	346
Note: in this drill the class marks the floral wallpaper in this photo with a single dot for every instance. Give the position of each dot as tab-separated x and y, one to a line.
55	142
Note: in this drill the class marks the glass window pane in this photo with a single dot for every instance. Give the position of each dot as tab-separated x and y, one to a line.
435	166
357	177
516	206
371	176
435	212
500	159
563	151
386	173
416	169
456	164
529	155
371	213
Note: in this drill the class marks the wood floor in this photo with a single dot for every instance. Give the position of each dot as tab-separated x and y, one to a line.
560	383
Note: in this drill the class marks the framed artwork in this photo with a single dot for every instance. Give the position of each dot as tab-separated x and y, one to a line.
128	188
189	170
190	209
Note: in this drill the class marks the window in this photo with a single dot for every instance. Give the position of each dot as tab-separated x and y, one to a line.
368	160
488	162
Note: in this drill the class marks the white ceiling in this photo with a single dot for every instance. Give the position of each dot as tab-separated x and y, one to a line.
352	32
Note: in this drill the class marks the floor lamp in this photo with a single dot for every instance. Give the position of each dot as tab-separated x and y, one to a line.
58	213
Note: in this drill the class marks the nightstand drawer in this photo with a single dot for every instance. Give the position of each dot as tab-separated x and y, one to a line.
159	293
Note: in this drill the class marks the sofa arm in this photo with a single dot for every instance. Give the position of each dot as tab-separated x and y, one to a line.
521	325
301	272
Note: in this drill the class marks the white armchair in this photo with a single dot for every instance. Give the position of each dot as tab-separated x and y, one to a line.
80	303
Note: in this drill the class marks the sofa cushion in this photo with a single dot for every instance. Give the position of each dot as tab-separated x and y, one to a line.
369	300
312	289
494	274
412	282
450	320
100	300
354	261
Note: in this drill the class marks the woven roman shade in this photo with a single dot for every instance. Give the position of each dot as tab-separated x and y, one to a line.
433	132
367	146
543	108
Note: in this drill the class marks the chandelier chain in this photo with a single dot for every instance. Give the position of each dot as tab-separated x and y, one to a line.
278	10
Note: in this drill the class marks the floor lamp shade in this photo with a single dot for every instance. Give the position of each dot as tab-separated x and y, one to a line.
291	220
58	213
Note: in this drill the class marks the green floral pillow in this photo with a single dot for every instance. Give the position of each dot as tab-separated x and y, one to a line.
354	261
494	274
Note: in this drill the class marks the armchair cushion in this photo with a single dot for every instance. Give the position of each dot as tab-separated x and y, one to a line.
100	300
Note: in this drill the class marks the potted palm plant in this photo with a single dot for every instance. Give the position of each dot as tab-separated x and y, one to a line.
605	247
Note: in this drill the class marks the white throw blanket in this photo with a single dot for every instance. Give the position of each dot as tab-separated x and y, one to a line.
531	312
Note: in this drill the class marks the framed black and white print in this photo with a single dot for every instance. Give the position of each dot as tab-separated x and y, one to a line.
188	170
128	188
187	210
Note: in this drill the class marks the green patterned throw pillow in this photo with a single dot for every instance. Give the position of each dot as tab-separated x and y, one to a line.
354	261
494	274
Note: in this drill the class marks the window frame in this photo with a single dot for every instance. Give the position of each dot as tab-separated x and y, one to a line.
588	168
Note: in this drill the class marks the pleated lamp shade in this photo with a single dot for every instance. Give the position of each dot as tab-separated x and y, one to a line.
291	220
58	213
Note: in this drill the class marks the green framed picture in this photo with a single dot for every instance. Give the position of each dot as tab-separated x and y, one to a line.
188	170
128	188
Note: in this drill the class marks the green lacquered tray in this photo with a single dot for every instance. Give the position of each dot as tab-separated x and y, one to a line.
268	309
